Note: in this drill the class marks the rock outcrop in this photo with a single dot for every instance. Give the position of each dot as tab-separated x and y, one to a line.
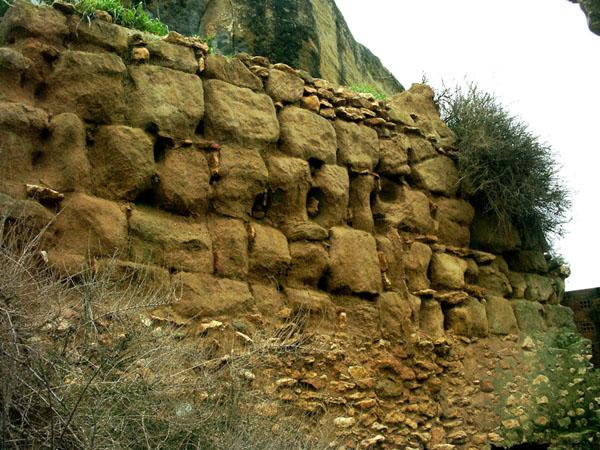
311	35
591	8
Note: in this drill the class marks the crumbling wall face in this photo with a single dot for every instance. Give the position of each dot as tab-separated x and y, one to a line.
262	193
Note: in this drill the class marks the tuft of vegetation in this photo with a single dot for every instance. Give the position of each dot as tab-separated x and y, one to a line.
366	89
4	5
135	17
84	365
505	168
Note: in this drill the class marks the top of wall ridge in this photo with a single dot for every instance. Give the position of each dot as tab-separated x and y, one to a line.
61	28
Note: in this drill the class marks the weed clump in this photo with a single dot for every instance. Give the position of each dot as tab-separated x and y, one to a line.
366	89
135	17
504	167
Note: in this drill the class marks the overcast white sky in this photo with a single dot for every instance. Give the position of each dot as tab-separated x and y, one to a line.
537	56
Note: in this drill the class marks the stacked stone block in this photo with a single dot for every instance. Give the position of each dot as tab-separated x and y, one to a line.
245	179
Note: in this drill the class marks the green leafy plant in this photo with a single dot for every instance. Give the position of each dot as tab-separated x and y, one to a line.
366	89
135	17
4	5
505	168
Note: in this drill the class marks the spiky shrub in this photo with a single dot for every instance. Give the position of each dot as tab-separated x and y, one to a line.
504	167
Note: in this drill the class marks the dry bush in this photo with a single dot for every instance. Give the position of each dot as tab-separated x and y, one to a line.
505	168
84	366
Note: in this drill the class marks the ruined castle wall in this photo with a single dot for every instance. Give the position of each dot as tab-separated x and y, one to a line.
259	193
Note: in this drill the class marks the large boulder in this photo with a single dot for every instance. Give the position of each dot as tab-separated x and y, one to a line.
530	316
419	148
397	315
88	84
284	86
122	161
289	179
494	280
169	240
204	296
447	271
330	189
236	115
307	135
98	35
14	72
24	20
183	186
269	252
230	247
164	99
393	159
438	175
243	176
404	208
431	318
468	319
308	265
231	70
308	301
358	145
454	217
173	56
528	261
558	316
539	288
418	103
63	163
354	264
21	137
416	265
90	226
362	189
500	315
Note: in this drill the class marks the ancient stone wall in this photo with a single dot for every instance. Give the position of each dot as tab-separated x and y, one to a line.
263	193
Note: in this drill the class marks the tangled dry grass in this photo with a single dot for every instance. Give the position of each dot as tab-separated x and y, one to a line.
84	367
506	170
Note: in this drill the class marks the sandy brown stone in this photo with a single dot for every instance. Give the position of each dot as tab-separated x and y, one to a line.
354	264
307	135
358	145
284	86
164	99
122	162
169	240
231	70
236	115
183	186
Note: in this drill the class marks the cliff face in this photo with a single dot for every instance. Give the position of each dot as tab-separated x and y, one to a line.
591	8
311	35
